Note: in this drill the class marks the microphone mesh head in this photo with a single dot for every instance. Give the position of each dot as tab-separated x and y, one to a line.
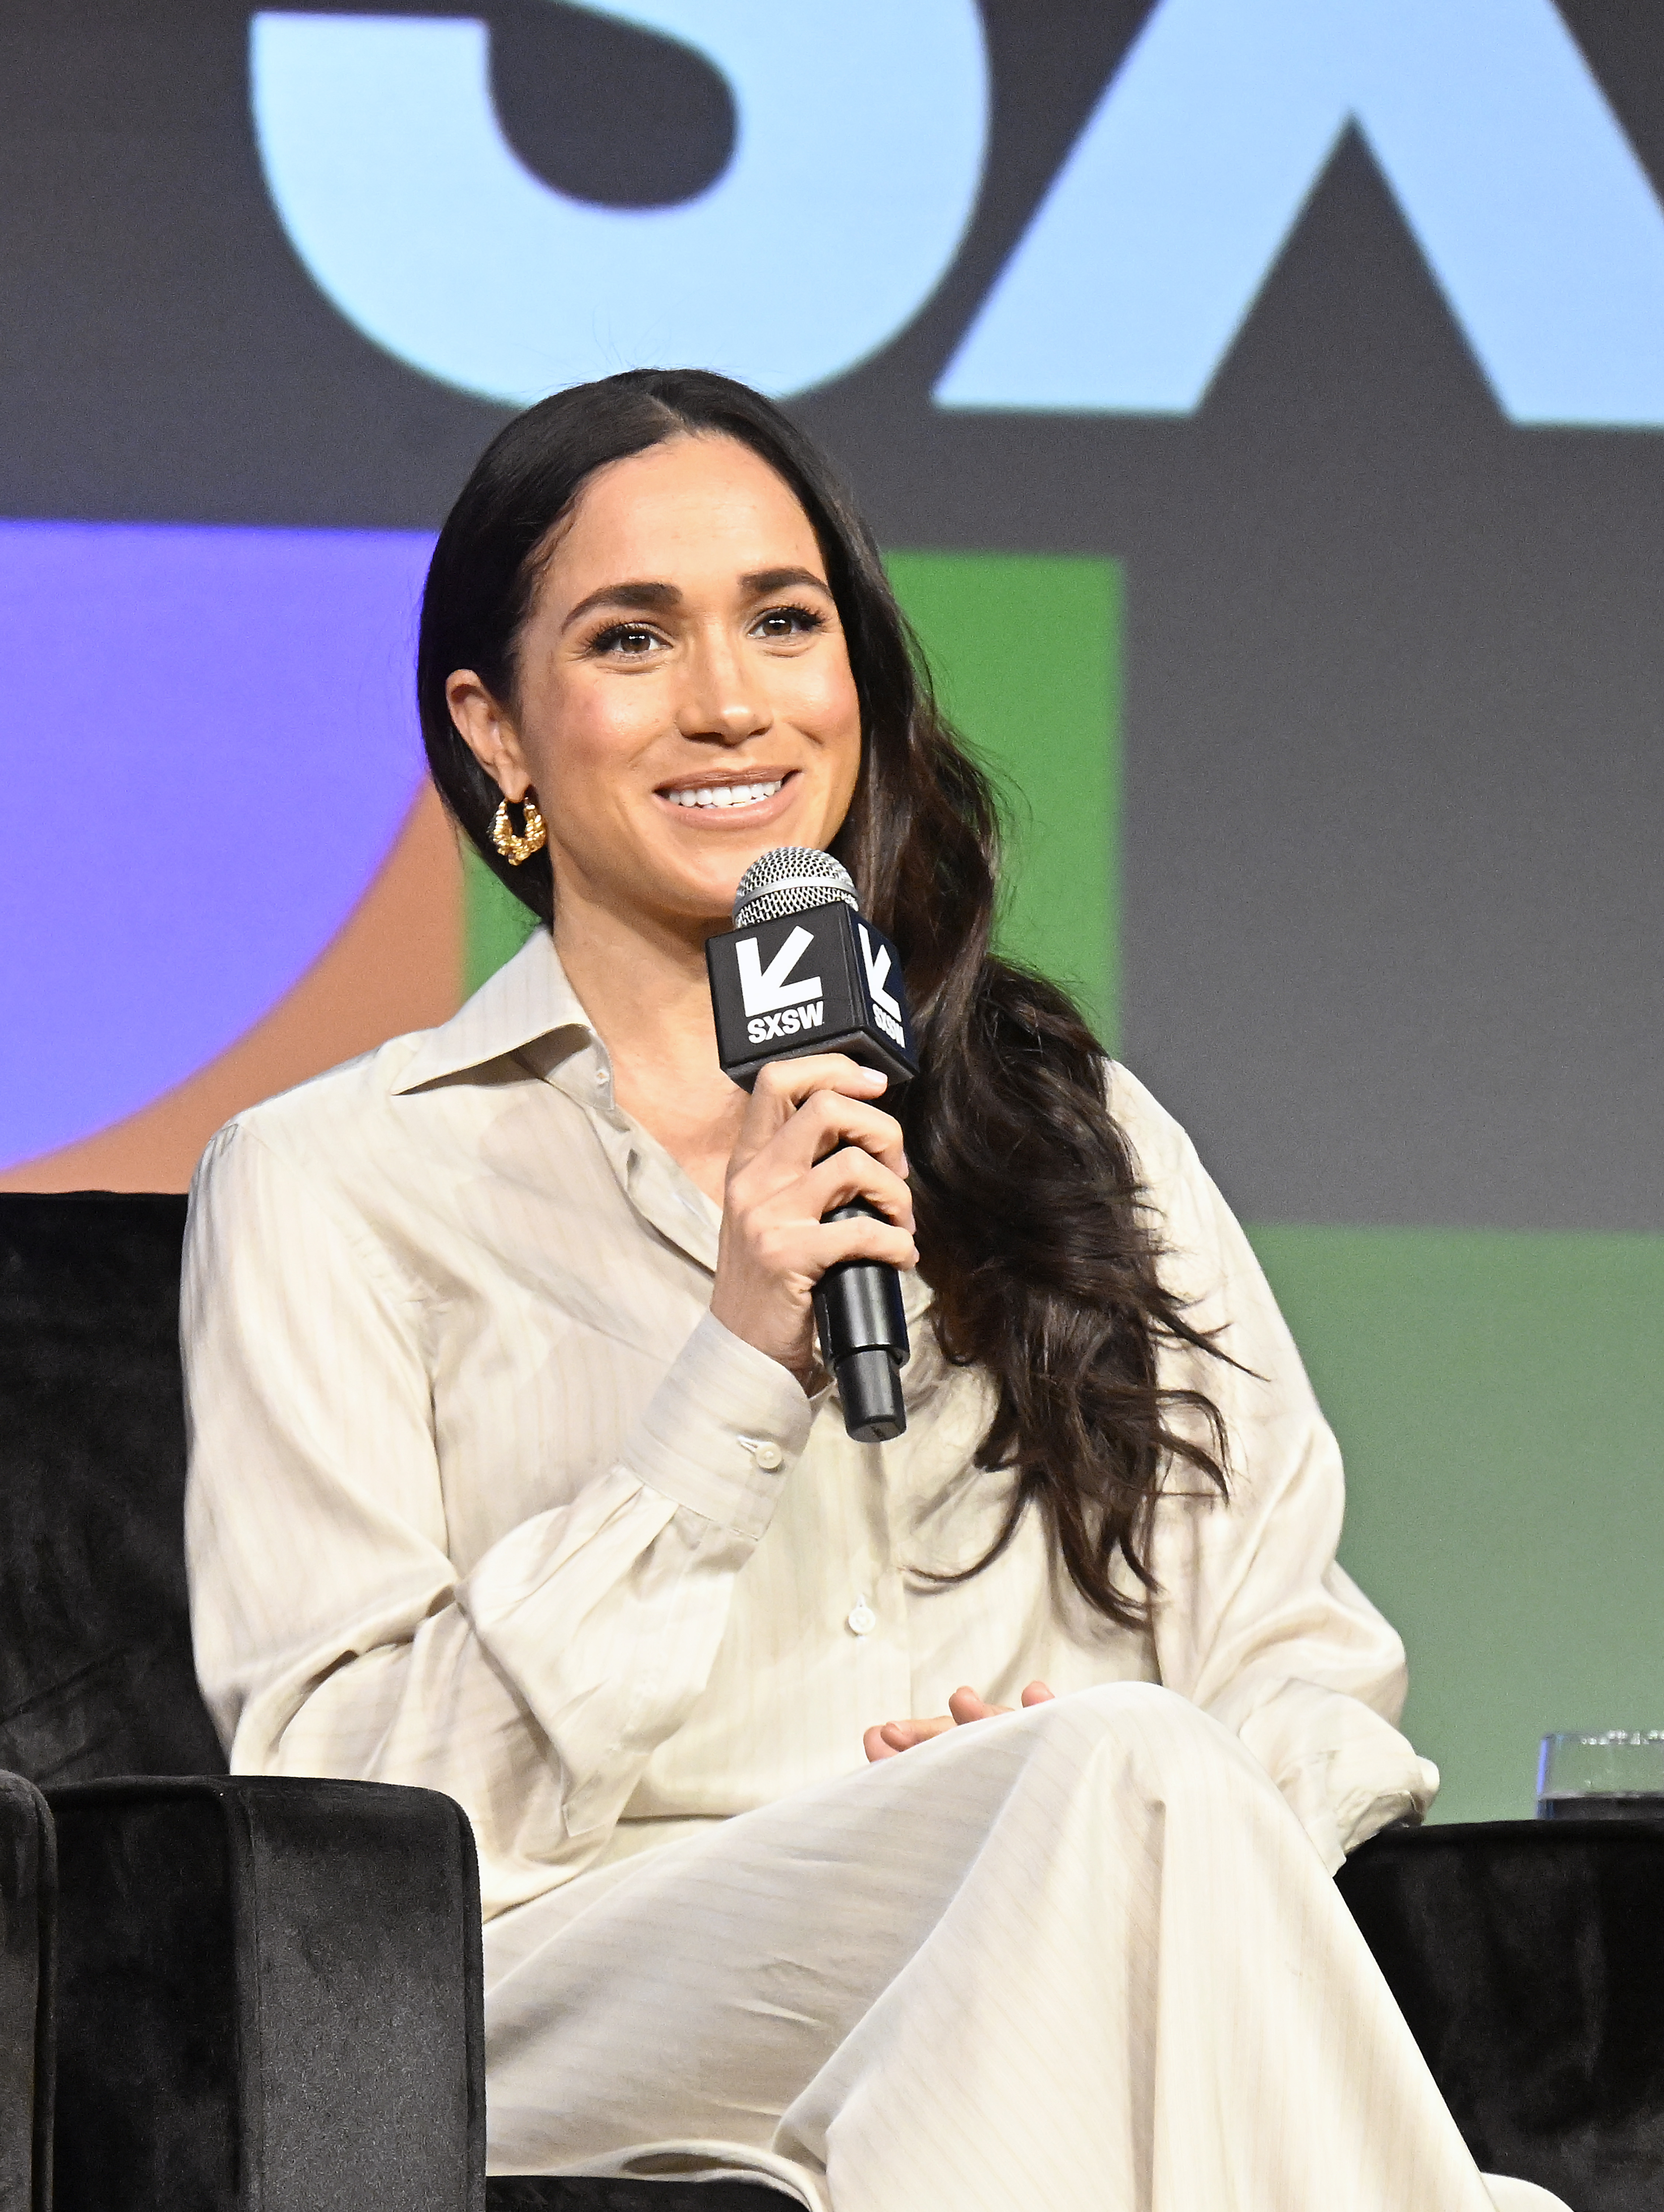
789	880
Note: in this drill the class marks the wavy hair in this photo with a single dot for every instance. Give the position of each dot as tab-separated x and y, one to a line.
1044	1265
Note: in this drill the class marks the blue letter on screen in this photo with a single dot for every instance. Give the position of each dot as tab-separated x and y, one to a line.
857	163
1512	172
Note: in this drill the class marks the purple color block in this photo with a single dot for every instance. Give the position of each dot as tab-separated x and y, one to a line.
213	746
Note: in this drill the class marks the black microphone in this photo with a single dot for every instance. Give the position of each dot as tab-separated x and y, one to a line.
801	971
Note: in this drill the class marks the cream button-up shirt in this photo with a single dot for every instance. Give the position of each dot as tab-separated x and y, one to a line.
482	1497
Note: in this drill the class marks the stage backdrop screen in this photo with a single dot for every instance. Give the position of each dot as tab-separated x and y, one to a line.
1262	404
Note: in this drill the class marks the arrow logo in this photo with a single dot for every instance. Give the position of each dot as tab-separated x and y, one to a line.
878	970
765	990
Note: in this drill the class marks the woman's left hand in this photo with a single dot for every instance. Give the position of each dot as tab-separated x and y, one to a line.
888	1737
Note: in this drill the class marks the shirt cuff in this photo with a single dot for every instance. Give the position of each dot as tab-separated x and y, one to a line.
1345	1772
723	1431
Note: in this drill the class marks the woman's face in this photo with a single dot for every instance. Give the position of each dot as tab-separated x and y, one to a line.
685	699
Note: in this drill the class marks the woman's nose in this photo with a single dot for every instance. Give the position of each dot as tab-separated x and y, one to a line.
723	700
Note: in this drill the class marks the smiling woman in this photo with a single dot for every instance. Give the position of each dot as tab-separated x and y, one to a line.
514	1472
665	719
681	698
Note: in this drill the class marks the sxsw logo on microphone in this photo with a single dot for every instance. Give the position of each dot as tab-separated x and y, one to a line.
774	1005
821	981
885	1006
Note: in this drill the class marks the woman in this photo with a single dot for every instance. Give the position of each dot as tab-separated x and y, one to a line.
514	1473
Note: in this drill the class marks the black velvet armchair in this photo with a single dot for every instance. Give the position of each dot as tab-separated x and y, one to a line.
28	1896
268	1995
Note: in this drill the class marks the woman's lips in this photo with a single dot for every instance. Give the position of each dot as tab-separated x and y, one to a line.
744	800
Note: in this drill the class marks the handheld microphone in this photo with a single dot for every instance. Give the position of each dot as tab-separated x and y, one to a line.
800	972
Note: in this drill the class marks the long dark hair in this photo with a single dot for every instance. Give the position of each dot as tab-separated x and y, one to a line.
1044	1264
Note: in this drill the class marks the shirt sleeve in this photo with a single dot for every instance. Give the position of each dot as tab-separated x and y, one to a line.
334	1634
1257	1622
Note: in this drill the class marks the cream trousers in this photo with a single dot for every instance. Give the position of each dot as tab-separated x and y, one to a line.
1082	1957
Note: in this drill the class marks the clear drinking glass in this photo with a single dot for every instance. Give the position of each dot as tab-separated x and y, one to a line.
1616	1775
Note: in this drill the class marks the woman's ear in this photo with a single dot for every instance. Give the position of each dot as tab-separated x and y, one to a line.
486	729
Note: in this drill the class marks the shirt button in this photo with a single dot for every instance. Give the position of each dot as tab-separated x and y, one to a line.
862	1620
768	1457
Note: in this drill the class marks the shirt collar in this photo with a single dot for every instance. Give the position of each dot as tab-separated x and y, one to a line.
527	999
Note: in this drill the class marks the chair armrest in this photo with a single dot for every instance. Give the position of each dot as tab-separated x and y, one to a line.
1527	1957
28	1889
269	1998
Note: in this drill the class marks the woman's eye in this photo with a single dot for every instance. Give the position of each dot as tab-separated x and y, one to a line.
788	622
631	641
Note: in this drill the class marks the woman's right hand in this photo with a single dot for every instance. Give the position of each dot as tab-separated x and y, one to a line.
811	1139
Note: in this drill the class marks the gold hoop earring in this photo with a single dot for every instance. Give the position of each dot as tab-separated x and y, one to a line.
515	850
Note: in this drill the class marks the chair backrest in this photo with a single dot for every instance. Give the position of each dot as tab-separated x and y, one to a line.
95	1671
1529	1959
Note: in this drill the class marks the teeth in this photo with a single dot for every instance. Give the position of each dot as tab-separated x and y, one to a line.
724	795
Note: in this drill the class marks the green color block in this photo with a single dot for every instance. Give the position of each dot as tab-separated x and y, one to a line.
494	923
1499	1397
1026	649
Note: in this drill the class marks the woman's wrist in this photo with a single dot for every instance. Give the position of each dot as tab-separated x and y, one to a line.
741	1318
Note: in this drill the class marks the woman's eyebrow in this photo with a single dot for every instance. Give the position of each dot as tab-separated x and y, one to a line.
761	582
643	598
646	598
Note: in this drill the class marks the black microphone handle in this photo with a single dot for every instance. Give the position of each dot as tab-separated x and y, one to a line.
864	1339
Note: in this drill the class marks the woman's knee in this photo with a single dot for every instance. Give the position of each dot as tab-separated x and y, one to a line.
1173	1745
1139	1711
